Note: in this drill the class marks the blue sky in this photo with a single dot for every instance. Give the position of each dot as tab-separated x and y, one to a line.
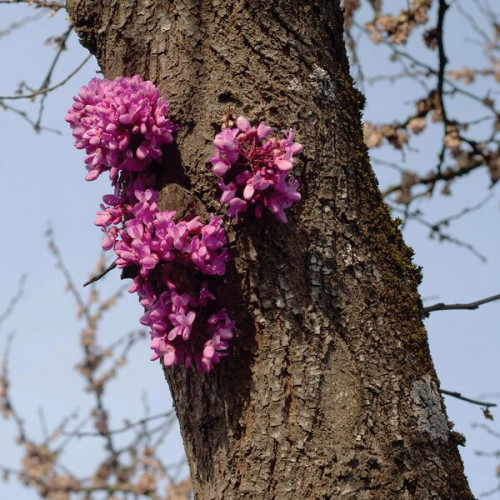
44	185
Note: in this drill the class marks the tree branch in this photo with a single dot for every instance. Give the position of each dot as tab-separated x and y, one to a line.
443	60
468	400
436	230
55	6
14	300
46	90
97	277
449	307
126	428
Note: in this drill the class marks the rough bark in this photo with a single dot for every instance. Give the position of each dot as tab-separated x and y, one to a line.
329	391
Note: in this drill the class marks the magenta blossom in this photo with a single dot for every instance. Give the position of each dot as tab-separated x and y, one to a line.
254	172
151	237
121	124
168	256
179	339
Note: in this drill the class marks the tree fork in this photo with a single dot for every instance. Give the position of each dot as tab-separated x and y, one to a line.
329	391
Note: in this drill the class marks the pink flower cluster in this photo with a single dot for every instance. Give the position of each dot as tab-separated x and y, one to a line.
189	340
169	257
149	236
121	124
255	172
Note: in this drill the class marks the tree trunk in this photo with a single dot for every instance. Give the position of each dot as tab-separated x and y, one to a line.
329	391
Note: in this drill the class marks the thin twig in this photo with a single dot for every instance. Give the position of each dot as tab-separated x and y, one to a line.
19	24
435	230
430	69
48	77
14	300
42	91
140	422
7	402
443	60
435	176
38	4
24	116
468	400
97	277
100	409
490	492
486	428
43	423
449	307
129	337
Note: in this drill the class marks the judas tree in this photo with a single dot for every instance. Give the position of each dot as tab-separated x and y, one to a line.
329	390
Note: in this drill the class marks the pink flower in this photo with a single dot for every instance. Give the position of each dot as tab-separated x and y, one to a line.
183	323
255	173
145	209
176	340
208	251
214	349
121	124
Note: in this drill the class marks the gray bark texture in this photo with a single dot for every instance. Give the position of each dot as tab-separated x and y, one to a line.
329	391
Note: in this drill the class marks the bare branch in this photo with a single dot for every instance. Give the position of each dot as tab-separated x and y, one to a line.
435	176
101	415
6	404
19	24
38	4
467	306
14	300
24	116
436	230
97	277
443	60
486	428
48	77
126	428
468	400
490	492
116	488
43	423
43	91
45	87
